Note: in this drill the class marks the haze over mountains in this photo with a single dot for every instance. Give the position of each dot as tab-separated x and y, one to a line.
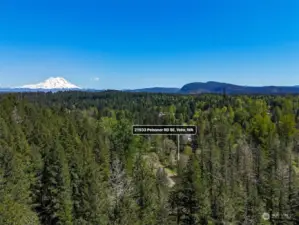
60	84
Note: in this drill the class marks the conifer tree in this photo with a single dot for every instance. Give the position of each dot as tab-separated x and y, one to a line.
55	205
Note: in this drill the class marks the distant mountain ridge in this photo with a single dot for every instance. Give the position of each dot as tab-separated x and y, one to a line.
60	84
156	90
218	87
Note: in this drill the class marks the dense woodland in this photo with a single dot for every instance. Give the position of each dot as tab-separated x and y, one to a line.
70	158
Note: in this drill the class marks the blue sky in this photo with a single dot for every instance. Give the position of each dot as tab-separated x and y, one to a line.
146	43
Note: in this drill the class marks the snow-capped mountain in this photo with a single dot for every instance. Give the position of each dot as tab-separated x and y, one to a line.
52	83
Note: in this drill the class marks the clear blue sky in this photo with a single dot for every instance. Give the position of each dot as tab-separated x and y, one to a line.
145	43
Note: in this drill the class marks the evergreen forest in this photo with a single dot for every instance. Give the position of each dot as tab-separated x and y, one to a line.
70	158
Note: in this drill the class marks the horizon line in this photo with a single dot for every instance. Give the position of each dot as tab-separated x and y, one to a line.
149	87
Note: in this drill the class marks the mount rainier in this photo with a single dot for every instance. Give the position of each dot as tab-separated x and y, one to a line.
52	83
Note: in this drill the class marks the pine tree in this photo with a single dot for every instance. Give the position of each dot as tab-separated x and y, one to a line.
55	206
145	193
185	198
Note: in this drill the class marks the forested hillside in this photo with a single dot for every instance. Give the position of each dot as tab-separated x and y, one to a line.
70	158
